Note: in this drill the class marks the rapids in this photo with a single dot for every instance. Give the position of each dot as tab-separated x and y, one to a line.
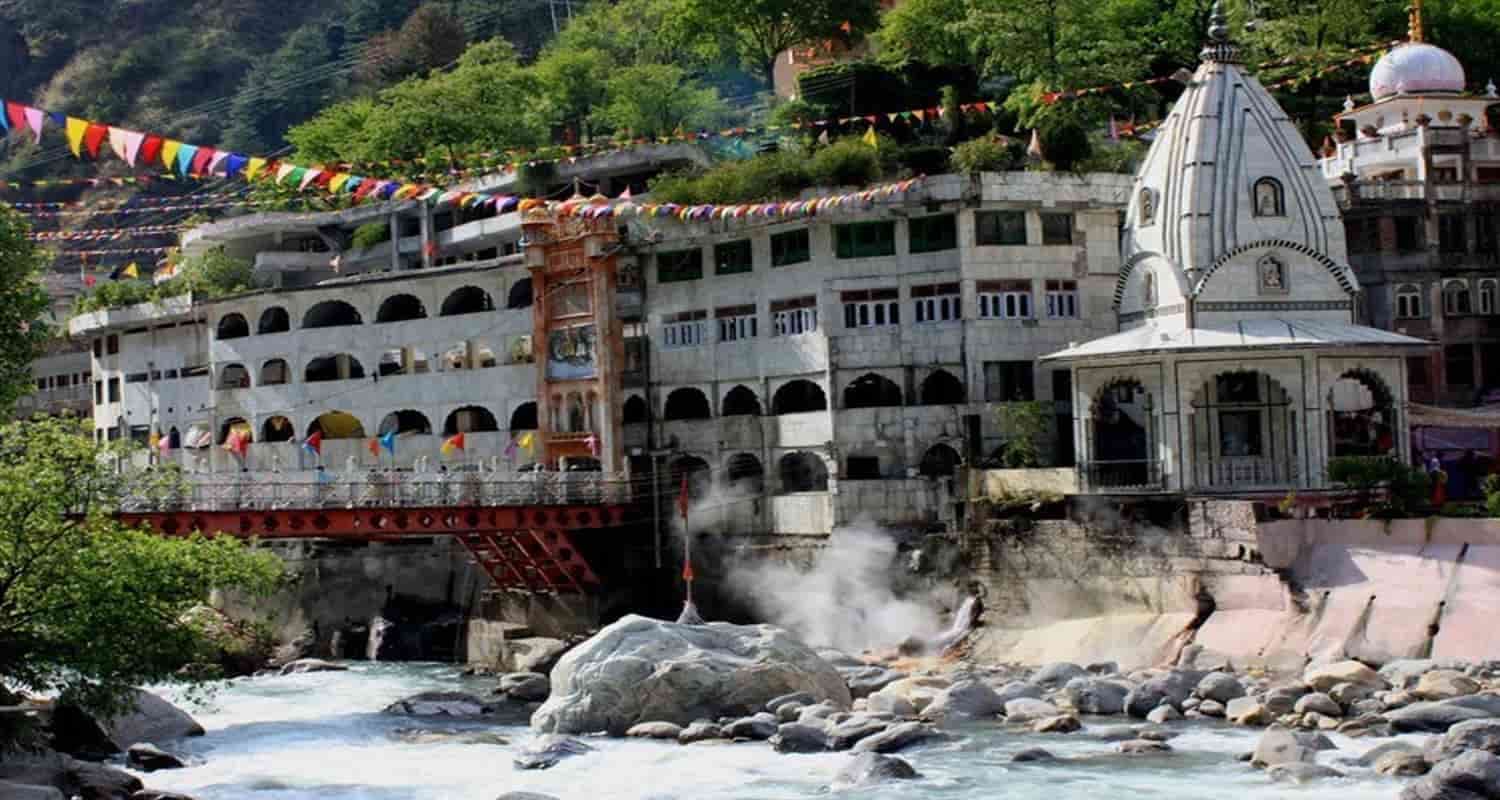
322	735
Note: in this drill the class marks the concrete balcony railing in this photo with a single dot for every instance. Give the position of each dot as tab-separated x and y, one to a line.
1397	191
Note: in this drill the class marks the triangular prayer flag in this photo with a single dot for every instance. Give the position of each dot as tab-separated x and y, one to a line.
185	155
235	164
338	182
4	118
308	176
75	130
373	446
388	441
150	149
15	115
34	119
253	168
295	176
869	137
283	170
133	142
169	148
452	444
314	443
202	157
526	440
117	142
219	156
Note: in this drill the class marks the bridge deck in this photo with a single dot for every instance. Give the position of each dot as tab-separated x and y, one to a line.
519	532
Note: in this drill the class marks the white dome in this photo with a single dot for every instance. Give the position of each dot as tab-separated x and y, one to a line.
1415	68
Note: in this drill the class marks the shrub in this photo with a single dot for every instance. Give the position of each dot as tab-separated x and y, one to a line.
1065	144
985	154
1405	486
370	234
846	162
1024	424
923	159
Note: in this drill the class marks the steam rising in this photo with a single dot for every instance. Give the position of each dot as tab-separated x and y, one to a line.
845	600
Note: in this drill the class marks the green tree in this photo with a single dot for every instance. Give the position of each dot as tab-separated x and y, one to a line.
23	302
368	18
573	83
658	99
288	87
762	29
926	31
88	606
635	32
429	38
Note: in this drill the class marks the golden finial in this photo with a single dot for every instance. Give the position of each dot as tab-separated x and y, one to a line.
1414	21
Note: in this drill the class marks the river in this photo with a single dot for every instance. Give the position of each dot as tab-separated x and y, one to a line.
322	735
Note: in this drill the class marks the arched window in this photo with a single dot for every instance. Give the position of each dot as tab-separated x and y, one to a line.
799	397
1270	200
340	367
872	391
740	401
1487	289
405	421
274	320
1408	301
277	429
470	419
636	411
400	308
337	425
745	473
233	326
232	425
331	314
1456	299
524	417
467	300
274	373
699	477
234	376
520	294
942	389
576	419
686	403
803	472
1362	415
940	461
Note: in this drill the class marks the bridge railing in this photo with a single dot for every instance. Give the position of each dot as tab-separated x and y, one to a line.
382	492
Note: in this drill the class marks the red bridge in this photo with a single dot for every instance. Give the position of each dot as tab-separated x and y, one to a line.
521	532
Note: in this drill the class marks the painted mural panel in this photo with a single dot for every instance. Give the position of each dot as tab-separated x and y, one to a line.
572	353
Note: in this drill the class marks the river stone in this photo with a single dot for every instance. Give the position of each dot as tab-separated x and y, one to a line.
1220	686
1211	708
1281	746
1318	702
757	727
1444	684
1062	723
447	736
527	686
1365	725
872	768
851	732
525	796
1325	676
868	680
149	718
800	737
1141	747
157	794
700	731
919	691
1032	754
1402	765
1475	774
800	698
1054	675
1163	713
304	665
26	791
1096	696
655	730
1440	715
1015	690
639	669
1474	734
1404	673
818	711
1282	699
1173	687
896	738
1374	754
439	704
1301	773
545	750
967	699
148	757
1025	709
1247	711
1115	733
1347	694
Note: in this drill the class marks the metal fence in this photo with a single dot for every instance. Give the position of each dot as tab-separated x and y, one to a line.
383	491
1132	475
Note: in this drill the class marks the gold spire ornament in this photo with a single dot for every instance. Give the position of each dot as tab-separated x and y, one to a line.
1414	21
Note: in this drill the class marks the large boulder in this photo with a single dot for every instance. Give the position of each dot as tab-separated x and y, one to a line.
1326	676
642	670
868	769
1318	702
658	730
1440	715
1018	689
800	737
525	686
1474	734
534	654
1025	709
440	704
896	738
854	730
1247	711
1220	686
1096	696
74	778
1173	687
866	680
1053	676
28	791
148	757
1298	772
302	665
544	751
967	699
1475	775
148	718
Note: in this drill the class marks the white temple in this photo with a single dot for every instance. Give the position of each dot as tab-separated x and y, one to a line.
1238	367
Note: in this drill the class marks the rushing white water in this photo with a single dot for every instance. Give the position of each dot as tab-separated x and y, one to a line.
321	736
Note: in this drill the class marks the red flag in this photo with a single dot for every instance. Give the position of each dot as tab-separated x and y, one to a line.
201	160
374	447
687	570
93	137
314	443
150	150
89	281
682	498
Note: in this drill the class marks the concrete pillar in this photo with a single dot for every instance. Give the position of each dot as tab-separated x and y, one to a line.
395	242
342	364
427	236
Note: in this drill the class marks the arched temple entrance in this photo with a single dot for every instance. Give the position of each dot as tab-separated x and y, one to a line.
1361	416
1243	432
1122	438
